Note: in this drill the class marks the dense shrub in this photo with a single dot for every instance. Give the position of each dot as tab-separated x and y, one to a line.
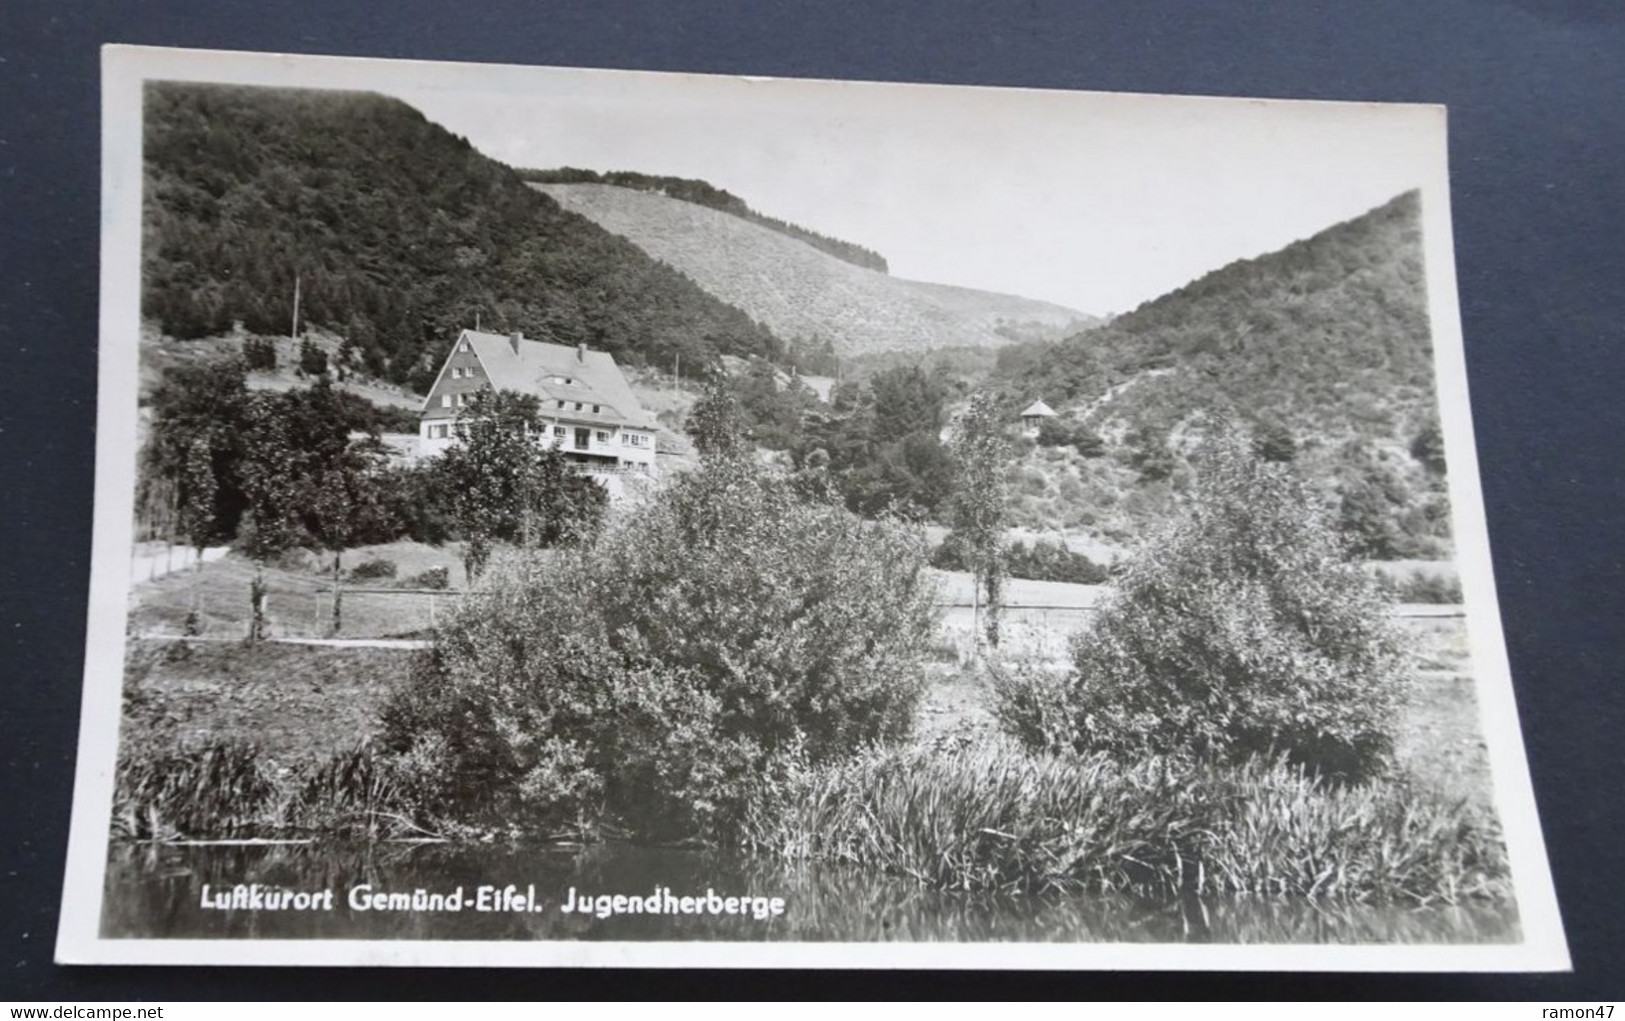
1242	630
312	359
1422	587
375	568
1050	560
641	681
259	354
1044	560
1059	432
433	578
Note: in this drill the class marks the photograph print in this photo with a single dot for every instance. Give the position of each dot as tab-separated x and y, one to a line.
554	516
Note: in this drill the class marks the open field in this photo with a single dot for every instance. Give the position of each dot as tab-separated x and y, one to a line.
299	601
298	703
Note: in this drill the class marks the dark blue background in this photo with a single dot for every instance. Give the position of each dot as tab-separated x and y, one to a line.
1537	117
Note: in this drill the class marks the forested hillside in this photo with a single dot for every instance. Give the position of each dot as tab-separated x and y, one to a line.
399	234
1322	349
703	193
805	295
1325	329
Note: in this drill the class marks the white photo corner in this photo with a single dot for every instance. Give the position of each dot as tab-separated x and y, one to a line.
578	517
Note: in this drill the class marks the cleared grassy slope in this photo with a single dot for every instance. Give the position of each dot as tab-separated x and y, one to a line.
799	292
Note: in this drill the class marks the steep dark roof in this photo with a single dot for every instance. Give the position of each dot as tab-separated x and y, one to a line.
534	367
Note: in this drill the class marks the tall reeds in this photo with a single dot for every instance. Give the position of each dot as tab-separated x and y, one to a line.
220	789
994	817
232	789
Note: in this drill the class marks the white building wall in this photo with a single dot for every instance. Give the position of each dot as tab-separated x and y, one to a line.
637	451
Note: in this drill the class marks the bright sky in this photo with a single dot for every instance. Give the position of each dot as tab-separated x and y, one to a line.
1094	201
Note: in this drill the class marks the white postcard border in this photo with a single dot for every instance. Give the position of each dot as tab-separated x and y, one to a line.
126	68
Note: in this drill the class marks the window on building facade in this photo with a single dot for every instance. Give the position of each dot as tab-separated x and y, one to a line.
558	430
603	437
445	400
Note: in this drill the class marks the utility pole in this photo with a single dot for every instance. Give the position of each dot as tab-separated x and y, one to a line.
295	335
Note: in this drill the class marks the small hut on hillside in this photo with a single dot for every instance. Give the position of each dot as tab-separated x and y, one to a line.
1034	417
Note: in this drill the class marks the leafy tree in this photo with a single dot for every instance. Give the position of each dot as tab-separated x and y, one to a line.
716	422
1428	447
312	359
259	354
907	400
1148	454
884	447
773	413
1058	432
1242	630
307	482
506	486
978	505
1274	441
188	465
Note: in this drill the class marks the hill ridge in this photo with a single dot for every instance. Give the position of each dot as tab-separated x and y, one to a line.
398	233
804	295
1322	349
704	193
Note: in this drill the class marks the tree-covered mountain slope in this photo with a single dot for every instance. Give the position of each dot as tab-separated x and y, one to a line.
804	294
1321	349
398	232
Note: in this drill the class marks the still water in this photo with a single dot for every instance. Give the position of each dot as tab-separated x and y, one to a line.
156	891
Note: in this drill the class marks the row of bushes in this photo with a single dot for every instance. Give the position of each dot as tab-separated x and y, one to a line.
1421	587
1044	560
383	569
1060	432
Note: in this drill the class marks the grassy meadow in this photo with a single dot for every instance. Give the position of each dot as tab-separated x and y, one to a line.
299	595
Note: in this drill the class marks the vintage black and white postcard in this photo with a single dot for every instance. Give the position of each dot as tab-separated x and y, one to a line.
580	517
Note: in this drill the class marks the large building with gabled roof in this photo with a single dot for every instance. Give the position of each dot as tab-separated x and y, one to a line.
588	409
